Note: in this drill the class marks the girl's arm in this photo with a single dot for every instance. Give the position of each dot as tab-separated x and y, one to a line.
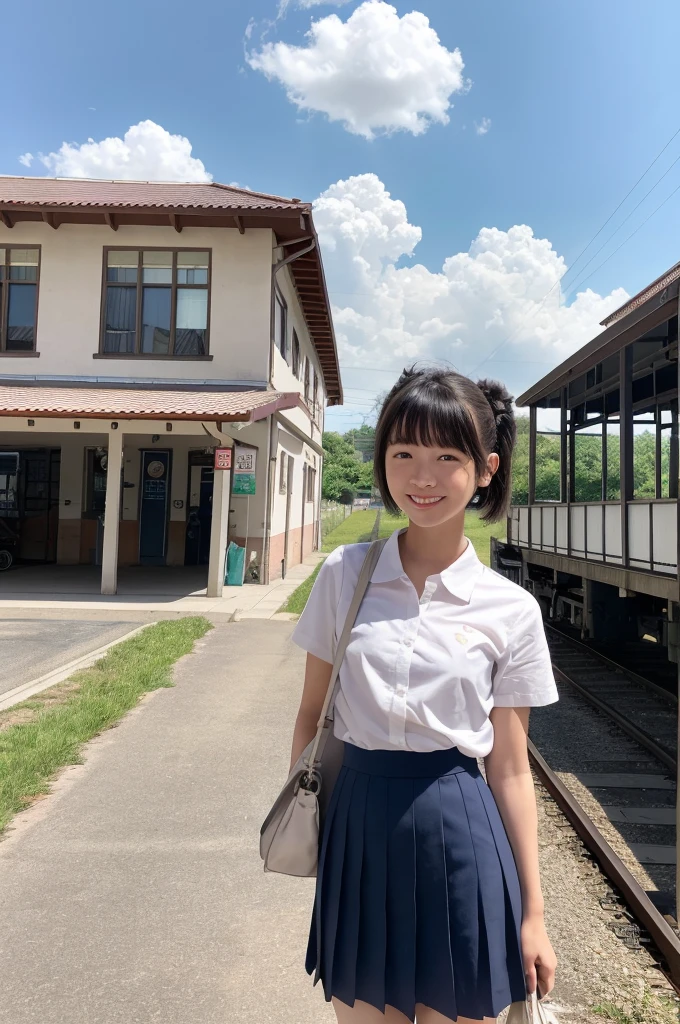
509	778
317	678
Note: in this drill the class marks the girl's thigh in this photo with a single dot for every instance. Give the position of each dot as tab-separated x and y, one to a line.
424	1015
363	1013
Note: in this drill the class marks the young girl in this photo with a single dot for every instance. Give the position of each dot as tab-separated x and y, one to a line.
428	899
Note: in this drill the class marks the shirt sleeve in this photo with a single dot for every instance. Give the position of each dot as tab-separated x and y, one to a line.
315	631
524	675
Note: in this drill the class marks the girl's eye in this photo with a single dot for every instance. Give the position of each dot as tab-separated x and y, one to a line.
399	455
453	458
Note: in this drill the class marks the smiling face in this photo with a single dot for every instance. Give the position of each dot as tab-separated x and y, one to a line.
431	484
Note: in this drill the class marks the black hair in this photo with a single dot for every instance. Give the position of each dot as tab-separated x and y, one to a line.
442	408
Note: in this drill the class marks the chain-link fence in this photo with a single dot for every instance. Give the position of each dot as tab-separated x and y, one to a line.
332	514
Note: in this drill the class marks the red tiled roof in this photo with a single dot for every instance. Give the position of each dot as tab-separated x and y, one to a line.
17	191
647	293
88	403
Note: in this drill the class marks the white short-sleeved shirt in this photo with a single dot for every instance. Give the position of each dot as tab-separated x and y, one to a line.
424	673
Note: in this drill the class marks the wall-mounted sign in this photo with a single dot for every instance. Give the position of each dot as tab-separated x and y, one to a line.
244	470
155	469
223	458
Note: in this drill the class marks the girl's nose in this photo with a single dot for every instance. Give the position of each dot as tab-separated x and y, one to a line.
422	478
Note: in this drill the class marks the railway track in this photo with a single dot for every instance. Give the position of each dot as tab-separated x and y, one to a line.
628	772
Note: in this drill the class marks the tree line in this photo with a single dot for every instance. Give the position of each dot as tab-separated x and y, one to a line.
348	465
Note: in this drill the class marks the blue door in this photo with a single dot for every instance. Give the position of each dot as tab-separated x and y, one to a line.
153	508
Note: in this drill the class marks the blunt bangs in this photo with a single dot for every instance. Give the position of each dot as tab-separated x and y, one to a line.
431	416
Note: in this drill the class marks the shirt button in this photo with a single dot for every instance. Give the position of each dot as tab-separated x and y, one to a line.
401	690
408	641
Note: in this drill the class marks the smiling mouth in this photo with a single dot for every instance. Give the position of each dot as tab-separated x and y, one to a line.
425	501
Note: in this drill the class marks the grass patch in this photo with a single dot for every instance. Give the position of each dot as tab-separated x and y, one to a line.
44	733
480	533
298	599
358	527
352	530
647	1010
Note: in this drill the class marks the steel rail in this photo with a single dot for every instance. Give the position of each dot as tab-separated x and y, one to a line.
663	936
625	724
615	665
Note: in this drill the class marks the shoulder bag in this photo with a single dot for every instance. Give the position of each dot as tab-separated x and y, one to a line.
289	837
531	1011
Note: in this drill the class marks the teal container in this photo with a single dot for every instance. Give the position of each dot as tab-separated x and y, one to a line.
236	560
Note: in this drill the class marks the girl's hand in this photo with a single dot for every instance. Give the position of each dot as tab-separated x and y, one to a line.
538	957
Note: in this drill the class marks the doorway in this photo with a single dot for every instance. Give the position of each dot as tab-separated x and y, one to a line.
29	500
154	507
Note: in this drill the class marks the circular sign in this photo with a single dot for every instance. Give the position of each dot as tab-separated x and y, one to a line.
155	469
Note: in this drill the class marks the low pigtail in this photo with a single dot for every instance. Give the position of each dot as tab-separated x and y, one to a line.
495	499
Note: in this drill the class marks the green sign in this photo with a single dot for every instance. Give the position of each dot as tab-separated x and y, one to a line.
244	483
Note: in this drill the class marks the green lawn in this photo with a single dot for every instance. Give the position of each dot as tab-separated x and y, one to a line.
47	731
358	527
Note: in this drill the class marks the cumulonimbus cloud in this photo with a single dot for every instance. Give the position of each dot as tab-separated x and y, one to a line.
375	72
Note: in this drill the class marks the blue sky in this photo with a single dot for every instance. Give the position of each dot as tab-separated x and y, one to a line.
580	98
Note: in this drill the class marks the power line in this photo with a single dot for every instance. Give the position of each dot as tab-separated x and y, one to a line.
628	193
599	230
582	281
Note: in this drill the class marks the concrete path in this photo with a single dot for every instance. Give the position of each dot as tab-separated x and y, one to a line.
30	648
144	594
134	892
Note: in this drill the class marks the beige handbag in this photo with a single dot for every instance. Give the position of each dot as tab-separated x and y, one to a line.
531	1011
289	837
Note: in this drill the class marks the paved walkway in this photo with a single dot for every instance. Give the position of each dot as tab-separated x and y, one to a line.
134	892
31	647
144	594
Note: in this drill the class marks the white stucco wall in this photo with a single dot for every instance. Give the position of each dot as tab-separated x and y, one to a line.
283	377
70	301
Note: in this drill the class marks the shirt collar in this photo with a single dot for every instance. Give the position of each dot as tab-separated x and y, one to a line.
459	578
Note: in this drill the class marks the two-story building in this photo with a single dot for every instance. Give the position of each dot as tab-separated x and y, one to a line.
144	325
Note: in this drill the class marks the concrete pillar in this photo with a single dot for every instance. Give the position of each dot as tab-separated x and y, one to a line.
112	512
218	531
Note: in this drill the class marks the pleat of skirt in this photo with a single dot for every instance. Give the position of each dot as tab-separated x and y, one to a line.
417	895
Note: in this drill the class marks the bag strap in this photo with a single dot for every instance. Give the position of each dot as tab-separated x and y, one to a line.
369	564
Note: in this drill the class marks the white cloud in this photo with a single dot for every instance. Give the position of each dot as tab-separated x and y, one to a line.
493	294
147	152
376	72
482	127
26	159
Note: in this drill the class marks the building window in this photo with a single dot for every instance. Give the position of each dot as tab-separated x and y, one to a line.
311	483
280	324
9	484
156	302
307	368
296	356
95	480
283	474
19	274
315	395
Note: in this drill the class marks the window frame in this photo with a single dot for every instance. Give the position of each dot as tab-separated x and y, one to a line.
283	472
311	482
4	305
139	284
307	379
278	297
295	362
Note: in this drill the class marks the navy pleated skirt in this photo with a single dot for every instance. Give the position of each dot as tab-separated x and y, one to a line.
417	895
